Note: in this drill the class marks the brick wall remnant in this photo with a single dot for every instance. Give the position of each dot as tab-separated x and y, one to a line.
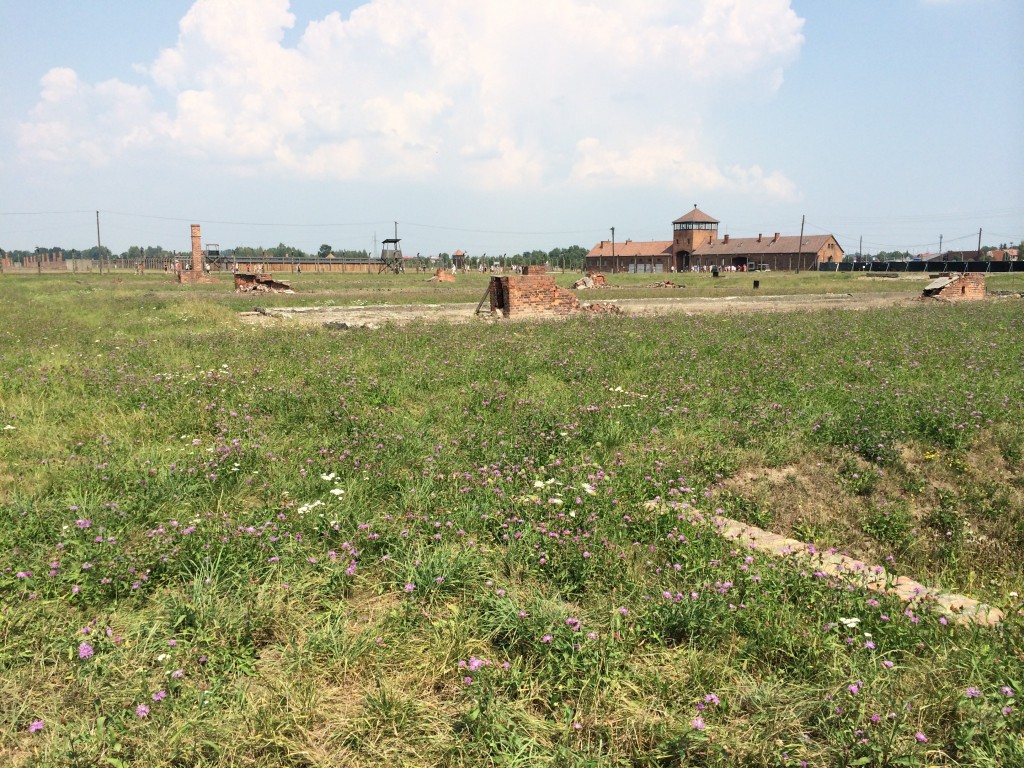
530	295
968	286
442	275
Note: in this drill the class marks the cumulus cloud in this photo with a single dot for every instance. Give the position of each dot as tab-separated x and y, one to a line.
488	93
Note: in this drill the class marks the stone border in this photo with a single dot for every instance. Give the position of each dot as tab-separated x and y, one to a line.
962	609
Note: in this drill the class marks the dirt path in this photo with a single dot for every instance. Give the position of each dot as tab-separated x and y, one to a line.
374	316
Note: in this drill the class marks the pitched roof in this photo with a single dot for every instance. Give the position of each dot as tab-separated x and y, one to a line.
749	246
630	248
696	216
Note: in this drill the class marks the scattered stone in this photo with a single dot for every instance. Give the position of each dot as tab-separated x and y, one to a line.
584	283
599	308
338	325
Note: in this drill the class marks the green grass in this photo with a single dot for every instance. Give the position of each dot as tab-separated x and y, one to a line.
433	545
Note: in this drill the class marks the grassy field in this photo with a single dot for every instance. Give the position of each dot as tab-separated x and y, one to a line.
223	544
337	289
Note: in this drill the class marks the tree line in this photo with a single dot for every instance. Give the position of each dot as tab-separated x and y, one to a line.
570	258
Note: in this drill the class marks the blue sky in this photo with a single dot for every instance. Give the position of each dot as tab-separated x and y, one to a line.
499	127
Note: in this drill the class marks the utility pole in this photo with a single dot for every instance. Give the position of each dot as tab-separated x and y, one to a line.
860	249
979	244
99	245
615	264
940	247
800	245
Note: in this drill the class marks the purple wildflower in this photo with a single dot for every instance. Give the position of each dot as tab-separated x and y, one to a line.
84	650
35	726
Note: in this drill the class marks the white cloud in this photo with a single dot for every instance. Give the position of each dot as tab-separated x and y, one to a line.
489	94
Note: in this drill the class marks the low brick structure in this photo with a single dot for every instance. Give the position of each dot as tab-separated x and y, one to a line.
442	276
246	282
532	294
969	286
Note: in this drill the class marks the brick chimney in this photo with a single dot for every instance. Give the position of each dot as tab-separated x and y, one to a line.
725	240
759	237
197	251
776	237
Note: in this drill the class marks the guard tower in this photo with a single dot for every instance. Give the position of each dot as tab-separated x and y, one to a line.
689	232
391	256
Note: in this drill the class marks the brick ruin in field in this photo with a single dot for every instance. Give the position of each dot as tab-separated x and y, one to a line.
531	294
591	280
197	273
968	286
246	282
442	275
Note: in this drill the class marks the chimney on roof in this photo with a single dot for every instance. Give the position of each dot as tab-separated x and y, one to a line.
725	240
759	237
776	237
628	240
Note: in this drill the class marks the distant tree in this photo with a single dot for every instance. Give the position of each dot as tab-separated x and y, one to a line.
91	253
324	252
894	256
571	258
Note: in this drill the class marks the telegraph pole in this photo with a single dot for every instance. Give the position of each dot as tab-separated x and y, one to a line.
940	247
979	244
99	245
800	245
615	264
